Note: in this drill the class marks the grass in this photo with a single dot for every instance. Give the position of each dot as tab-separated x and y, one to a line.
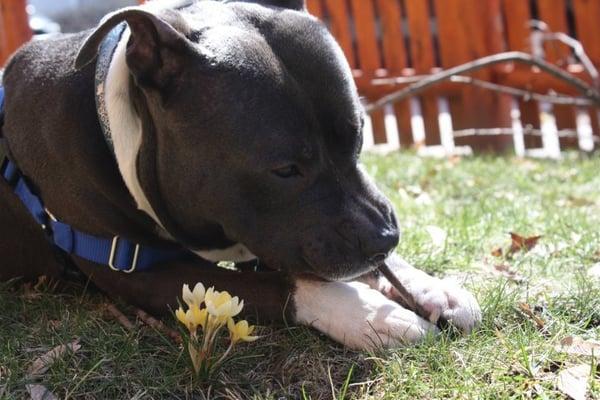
476	201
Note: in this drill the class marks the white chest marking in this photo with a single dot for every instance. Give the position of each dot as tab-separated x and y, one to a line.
126	132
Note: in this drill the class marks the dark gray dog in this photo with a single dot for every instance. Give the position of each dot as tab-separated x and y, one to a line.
227	129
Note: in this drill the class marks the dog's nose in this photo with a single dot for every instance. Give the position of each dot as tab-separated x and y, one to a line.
376	247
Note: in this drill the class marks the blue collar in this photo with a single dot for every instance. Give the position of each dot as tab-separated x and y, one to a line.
119	254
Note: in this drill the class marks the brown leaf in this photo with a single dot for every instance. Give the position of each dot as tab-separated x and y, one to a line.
497	252
39	392
574	381
506	271
43	363
521	243
577	346
526	309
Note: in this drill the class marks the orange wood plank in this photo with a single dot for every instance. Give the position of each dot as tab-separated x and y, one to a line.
421	43
369	59
423	58
517	16
395	58
469	30
394	51
366	36
315	7
554	13
587	15
337	11
14	27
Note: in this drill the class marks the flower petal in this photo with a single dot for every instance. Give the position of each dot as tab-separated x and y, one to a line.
187	295
198	293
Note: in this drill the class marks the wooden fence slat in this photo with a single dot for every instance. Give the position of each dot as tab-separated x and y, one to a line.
340	27
315	7
395	59
366	35
369	58
423	58
517	16
469	30
14	27
587	15
554	13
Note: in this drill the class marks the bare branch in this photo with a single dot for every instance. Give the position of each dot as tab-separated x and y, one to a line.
515	56
524	94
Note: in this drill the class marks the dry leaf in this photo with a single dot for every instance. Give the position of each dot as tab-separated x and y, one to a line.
574	381
497	252
521	243
437	234
526	309
577	346
39	392
43	363
506	271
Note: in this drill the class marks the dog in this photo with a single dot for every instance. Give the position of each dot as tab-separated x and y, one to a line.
175	136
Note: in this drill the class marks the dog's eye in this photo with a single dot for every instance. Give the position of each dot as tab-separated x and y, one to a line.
288	171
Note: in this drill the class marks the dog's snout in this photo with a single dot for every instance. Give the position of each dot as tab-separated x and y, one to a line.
376	247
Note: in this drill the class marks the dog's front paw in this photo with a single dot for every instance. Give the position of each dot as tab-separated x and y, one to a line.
445	300
356	315
436	298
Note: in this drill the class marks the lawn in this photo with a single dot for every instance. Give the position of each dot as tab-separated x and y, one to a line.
456	217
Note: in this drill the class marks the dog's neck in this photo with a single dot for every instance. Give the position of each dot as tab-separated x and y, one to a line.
122	128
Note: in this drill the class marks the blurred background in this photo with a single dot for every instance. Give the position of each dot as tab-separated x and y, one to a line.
47	16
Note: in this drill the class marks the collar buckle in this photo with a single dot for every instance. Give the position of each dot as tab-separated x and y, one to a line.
113	254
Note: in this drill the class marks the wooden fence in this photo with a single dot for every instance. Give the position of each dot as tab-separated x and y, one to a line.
390	42
401	39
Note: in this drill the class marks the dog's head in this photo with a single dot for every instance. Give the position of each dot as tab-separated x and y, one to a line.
252	129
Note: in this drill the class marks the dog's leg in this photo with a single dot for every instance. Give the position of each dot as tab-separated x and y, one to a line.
440	298
357	316
265	294
24	249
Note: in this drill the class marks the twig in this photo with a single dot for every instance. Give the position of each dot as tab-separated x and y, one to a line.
119	316
524	94
574	44
158	325
513	56
527	130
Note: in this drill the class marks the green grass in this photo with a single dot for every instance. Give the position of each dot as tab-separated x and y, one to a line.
477	201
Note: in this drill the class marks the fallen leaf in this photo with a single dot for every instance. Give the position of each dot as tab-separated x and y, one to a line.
39	392
438	235
506	271
526	309
573	381
497	252
521	243
43	363
578	346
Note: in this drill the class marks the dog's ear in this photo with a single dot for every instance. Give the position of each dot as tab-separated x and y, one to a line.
151	35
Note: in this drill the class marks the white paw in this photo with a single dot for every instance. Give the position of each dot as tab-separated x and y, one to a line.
356	315
443	299
439	299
